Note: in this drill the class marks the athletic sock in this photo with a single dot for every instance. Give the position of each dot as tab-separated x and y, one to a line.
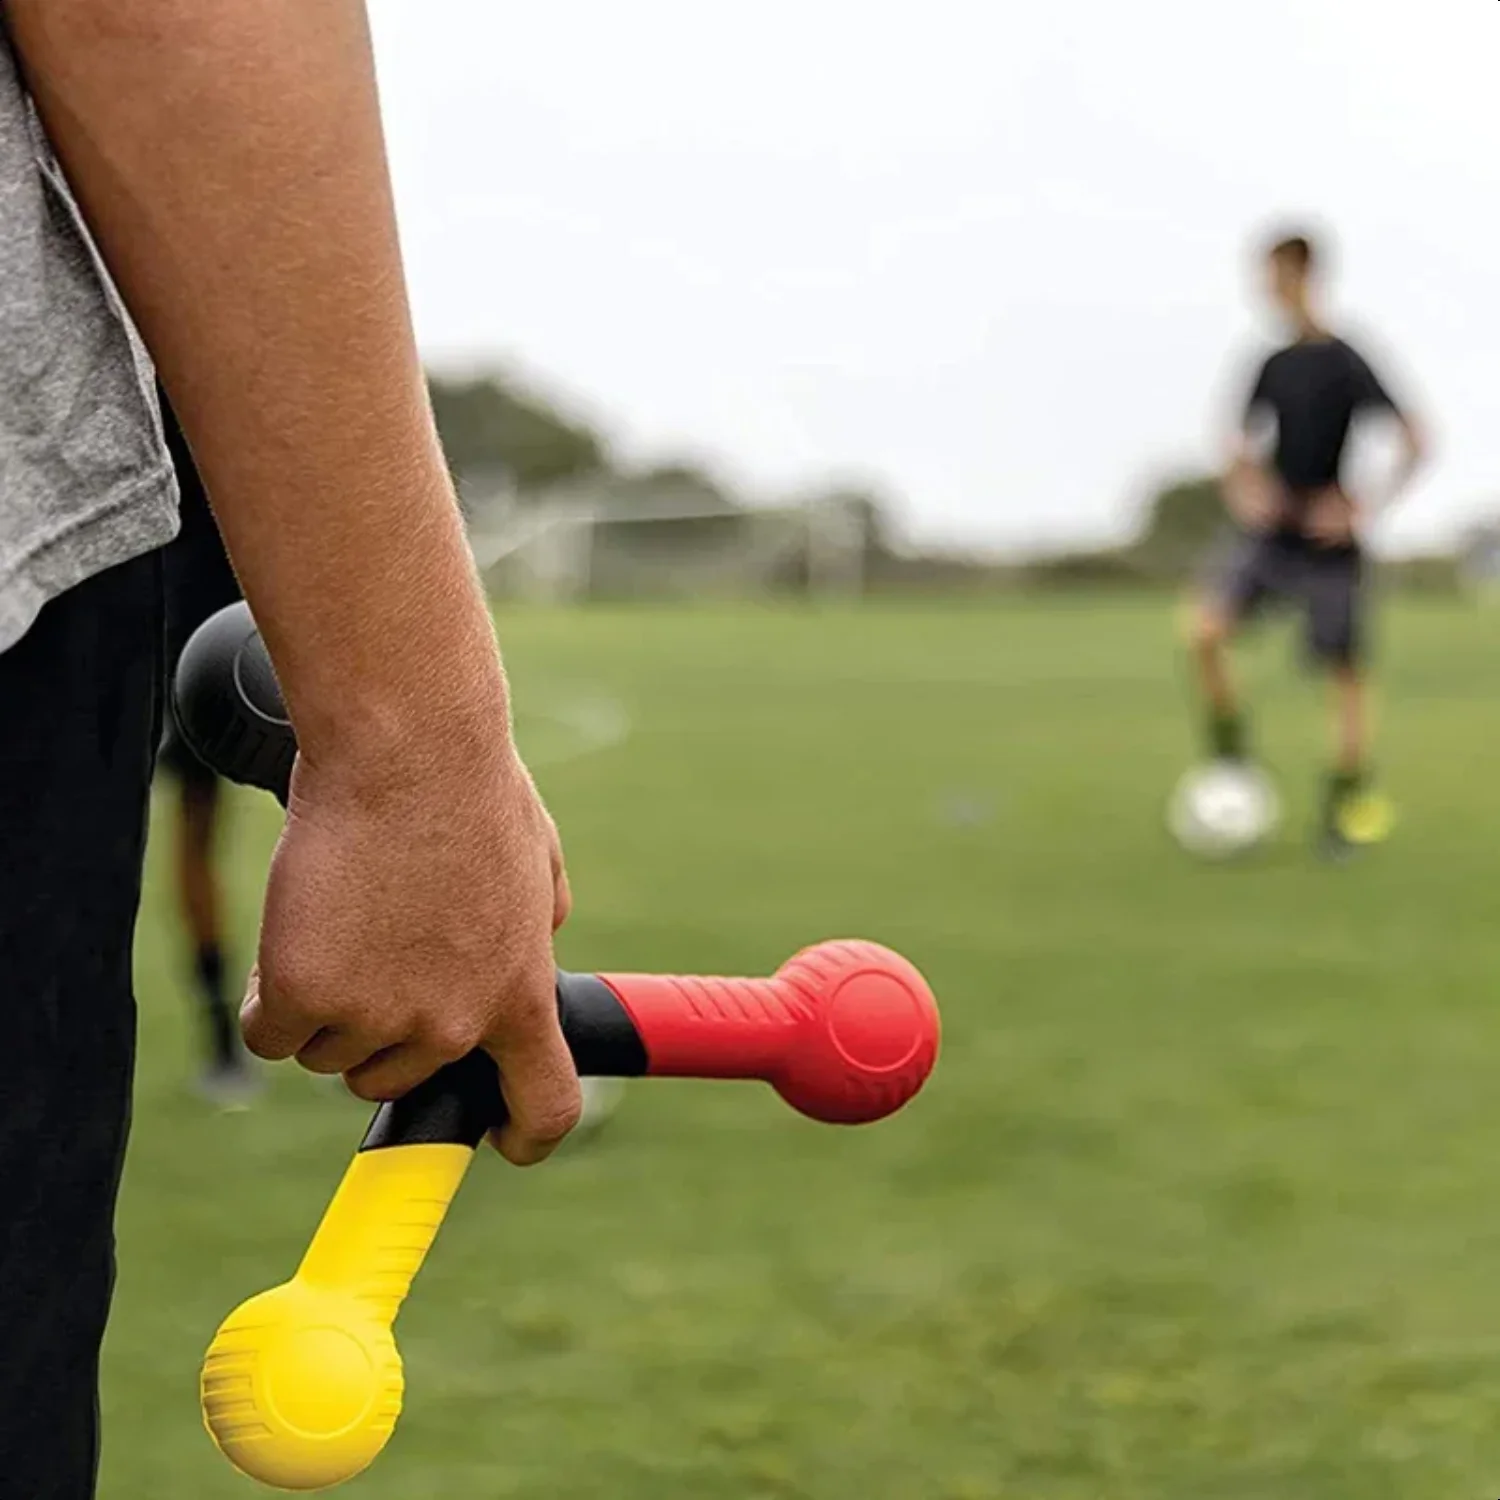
223	1037
1226	736
1340	787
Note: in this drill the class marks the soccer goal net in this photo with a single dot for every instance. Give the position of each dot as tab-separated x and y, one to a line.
582	545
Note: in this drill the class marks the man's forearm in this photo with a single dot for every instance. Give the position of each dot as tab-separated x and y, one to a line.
230	161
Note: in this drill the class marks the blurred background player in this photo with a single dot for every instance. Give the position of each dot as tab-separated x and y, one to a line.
200	581
1297	536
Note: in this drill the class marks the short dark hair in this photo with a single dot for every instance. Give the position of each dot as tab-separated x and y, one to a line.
1297	250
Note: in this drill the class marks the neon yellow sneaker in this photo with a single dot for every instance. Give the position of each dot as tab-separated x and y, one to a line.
1366	817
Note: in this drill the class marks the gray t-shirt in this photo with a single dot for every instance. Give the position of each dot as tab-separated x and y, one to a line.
85	480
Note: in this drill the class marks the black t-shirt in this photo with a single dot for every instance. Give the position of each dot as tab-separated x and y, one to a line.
1313	390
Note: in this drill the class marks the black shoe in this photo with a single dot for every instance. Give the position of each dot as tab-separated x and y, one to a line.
1333	848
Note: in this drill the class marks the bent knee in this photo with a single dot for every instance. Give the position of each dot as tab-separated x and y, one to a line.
1208	626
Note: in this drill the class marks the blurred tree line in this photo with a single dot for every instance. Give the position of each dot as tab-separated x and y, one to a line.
503	438
1180	523
492	428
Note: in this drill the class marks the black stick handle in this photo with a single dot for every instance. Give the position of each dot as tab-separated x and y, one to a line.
461	1102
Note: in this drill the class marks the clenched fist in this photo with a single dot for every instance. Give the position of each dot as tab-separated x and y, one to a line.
407	923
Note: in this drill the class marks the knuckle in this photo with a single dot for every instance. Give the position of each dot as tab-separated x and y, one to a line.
378	1033
451	1036
297	979
529	1019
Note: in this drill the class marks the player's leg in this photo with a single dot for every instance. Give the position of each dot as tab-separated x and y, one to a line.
1347	779
1351	812
1233	591
197	880
1212	631
1350	722
228	1077
81	693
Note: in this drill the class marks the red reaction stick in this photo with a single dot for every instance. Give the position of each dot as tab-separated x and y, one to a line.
846	1032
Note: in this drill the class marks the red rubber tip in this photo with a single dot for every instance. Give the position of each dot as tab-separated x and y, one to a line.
869	1035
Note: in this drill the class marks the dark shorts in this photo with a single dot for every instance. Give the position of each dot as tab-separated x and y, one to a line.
1251	574
80	704
199	583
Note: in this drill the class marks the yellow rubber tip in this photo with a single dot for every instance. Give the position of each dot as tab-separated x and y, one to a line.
301	1387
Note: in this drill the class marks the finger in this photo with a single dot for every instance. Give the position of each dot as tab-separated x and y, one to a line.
541	1090
393	1071
272	1029
337	1050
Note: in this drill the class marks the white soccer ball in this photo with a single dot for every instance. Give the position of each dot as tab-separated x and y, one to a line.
1223	809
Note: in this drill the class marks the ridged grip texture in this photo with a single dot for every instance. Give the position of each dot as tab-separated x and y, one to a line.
381	1223
846	1032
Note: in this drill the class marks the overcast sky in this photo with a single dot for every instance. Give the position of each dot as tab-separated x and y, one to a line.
989	254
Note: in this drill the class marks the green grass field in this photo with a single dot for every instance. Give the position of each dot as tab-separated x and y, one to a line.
1201	1204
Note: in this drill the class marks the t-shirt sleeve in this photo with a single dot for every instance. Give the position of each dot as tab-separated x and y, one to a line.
1370	392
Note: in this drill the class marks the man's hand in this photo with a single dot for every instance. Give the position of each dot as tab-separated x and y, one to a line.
1255	498
1332	518
406	924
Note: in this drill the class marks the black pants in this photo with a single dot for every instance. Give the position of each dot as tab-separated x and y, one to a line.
80	707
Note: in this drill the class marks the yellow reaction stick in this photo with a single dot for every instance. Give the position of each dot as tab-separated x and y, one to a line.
302	1384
